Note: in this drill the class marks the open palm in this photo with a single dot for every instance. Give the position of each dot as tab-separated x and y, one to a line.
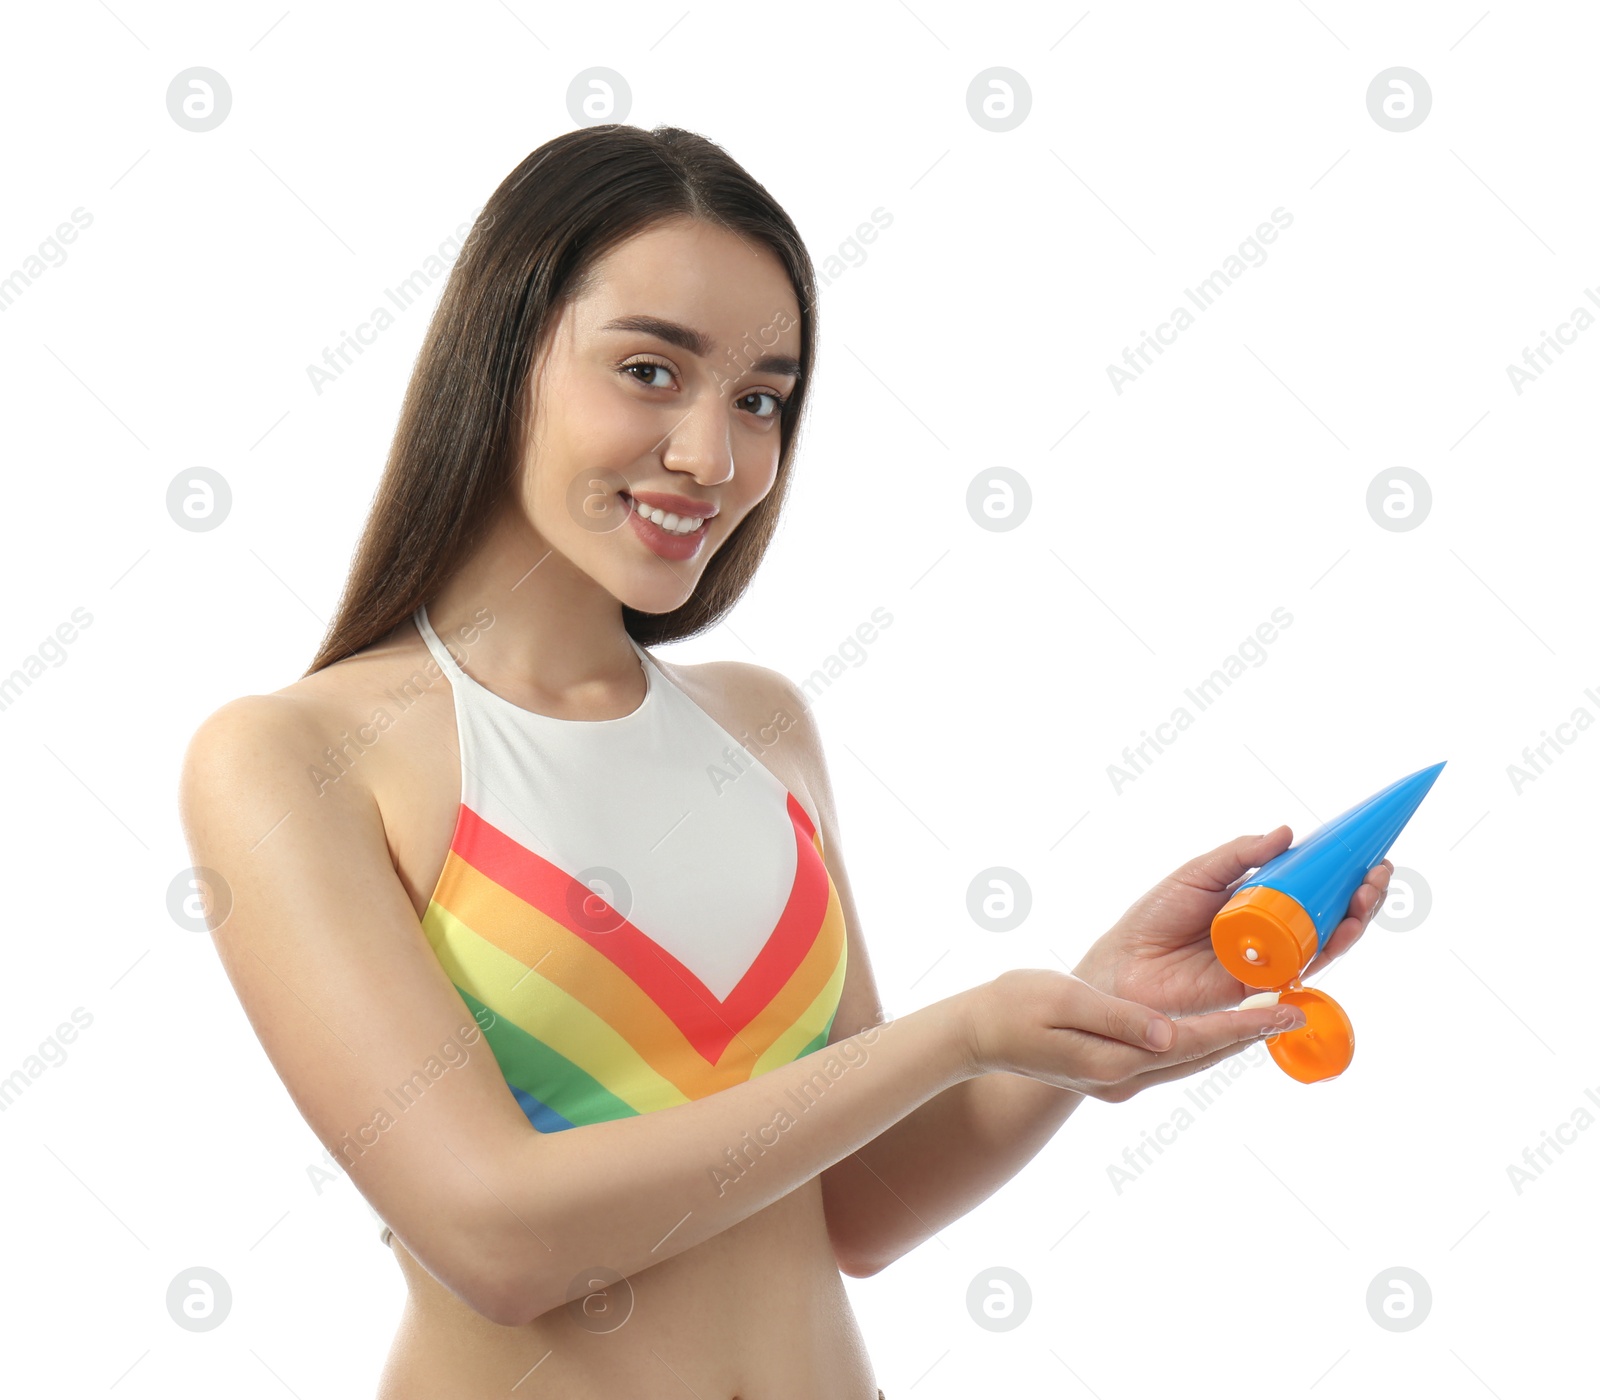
1159	953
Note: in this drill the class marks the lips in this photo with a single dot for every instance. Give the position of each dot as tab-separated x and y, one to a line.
668	544
680	506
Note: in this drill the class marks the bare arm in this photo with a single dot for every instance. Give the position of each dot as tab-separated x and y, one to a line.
953	1152
332	966
333	969
937	1164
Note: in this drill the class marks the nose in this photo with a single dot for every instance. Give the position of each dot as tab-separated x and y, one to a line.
700	444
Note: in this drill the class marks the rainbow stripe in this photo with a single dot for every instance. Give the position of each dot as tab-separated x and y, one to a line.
589	1026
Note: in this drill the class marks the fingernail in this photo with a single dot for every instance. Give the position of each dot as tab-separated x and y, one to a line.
1295	1022
1159	1034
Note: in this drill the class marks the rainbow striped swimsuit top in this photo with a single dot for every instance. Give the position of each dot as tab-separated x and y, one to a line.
635	910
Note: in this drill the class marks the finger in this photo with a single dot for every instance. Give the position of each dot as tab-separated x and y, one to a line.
1185	1068
1198	1037
1343	938
1340	942
1237	1026
1130	1022
1371	892
1216	870
1364	906
1151	1078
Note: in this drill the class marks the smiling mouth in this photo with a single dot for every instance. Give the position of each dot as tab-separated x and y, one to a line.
666	521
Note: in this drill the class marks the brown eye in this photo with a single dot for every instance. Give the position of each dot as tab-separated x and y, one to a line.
775	399
650	368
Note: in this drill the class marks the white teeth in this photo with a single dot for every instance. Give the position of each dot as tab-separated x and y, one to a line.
686	525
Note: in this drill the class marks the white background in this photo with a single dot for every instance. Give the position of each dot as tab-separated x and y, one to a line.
1166	523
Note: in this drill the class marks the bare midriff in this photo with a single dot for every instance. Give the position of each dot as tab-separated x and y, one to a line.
758	1312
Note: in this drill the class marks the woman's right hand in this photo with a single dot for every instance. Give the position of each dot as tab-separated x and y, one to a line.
1056	1027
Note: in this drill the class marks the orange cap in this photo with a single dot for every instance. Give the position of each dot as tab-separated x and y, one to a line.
1263	937
1320	1049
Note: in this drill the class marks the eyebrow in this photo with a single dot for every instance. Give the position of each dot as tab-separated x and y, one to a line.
697	342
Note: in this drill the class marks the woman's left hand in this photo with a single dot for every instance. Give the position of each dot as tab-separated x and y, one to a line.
1159	953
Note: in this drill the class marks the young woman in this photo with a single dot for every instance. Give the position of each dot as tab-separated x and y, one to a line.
570	979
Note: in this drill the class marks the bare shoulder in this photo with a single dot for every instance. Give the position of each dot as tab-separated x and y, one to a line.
319	935
259	731
251	736
247	798
315	737
755	686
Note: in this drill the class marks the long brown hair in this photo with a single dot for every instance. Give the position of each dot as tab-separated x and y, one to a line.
456	451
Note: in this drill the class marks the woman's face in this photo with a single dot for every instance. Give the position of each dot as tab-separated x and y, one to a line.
661	387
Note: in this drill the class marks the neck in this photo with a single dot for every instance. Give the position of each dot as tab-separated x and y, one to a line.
544	629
